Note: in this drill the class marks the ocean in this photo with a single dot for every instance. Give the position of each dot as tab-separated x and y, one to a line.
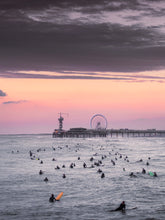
25	195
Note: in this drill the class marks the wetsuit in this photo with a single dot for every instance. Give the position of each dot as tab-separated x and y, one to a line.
52	199
121	207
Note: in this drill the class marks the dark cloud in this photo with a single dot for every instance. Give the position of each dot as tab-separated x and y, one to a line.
129	77
14	102
88	4
63	76
123	35
2	93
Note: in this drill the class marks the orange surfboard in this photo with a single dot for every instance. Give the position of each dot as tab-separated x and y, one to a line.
59	196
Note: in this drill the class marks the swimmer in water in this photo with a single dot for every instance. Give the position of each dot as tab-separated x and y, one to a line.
132	174
102	175
52	198
46	179
155	174
143	171
84	165
41	172
121	207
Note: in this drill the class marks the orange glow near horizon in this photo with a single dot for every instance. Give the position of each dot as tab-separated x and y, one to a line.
44	98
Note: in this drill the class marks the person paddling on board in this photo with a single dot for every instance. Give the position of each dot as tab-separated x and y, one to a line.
52	198
121	207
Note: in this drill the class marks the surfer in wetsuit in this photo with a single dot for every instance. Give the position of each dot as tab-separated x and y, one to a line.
52	198
121	207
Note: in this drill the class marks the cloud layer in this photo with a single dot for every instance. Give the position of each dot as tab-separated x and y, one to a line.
152	76
14	102
115	36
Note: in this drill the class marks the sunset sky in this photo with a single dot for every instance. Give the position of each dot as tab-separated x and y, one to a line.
81	57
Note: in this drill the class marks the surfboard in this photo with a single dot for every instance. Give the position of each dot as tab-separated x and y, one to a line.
151	173
123	210
59	196
132	208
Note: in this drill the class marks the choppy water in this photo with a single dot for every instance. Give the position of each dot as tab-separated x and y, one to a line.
25	195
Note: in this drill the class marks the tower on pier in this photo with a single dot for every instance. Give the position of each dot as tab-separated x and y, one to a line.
60	119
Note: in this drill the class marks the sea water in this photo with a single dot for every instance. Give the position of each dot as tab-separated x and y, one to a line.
25	195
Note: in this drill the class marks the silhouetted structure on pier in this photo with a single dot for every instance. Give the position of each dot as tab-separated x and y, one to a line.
101	131
80	133
98	124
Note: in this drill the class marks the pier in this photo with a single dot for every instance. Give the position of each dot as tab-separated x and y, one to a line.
89	133
135	133
99	129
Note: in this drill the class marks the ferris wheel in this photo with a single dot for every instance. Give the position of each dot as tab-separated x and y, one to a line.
98	122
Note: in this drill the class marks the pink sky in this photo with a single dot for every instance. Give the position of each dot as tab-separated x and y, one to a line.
32	105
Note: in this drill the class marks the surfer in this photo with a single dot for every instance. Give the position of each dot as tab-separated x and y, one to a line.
57	167
99	171
121	207
41	172
102	175
132	174
143	171
30	153
52	198
71	165
155	174
46	179
91	159
84	165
